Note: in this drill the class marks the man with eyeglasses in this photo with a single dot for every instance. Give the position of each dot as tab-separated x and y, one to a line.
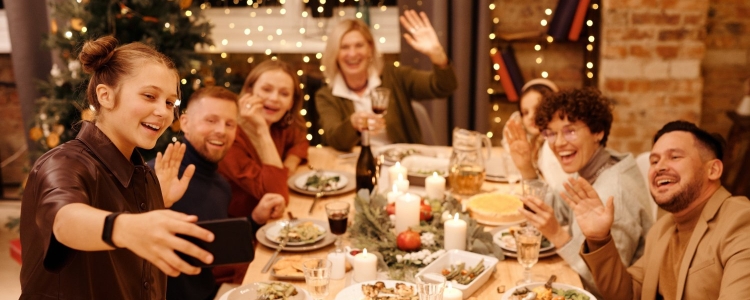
701	250
576	124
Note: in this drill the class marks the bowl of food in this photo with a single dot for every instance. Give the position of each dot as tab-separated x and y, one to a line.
558	291
422	166
466	271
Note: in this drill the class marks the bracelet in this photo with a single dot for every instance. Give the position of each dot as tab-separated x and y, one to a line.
109	225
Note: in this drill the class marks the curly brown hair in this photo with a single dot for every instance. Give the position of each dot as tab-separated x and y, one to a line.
586	104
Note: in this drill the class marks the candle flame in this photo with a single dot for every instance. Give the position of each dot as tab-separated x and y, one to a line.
398	164
434	174
455	217
364	252
395	188
450	286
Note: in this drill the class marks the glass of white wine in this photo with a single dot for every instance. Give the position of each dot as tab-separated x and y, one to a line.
317	276
528	241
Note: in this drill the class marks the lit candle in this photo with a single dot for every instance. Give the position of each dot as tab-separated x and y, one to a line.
365	267
395	170
407	212
435	186
393	195
455	233
451	293
401	183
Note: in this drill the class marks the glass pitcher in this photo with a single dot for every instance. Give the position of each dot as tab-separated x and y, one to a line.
467	170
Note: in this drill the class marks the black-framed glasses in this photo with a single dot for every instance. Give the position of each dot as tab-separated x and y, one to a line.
568	133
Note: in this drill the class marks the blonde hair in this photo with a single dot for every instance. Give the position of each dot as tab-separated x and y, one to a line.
330	57
292	116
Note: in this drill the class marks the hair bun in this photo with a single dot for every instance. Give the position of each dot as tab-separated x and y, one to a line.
97	53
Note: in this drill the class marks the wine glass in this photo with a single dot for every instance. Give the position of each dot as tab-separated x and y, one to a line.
380	97
338	216
317	276
528	241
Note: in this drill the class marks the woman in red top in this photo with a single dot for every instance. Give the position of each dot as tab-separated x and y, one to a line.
272	141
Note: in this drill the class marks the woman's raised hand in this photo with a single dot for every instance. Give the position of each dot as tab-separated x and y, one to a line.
520	148
593	218
251	118
167	169
422	37
542	216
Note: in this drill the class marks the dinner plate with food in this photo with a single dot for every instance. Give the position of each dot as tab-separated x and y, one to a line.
268	290
329	182
505	238
397	152
297	232
379	289
558	291
290	267
272	242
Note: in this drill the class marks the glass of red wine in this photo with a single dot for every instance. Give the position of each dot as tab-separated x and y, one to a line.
380	97
338	216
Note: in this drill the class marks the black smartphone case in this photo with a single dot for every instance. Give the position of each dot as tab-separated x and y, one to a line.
233	242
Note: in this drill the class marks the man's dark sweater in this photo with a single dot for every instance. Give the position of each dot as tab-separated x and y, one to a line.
207	197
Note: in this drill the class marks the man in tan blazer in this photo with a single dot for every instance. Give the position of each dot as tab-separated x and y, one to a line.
700	250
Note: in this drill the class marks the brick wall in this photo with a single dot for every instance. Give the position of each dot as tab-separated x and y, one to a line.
12	126
651	54
725	66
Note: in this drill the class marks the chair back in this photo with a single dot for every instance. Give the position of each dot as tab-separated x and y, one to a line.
425	124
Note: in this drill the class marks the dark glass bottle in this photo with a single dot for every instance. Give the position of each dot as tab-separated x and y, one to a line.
366	178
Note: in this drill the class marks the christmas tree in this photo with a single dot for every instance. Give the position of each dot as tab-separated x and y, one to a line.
173	27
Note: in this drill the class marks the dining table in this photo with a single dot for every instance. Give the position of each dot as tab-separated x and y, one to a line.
507	272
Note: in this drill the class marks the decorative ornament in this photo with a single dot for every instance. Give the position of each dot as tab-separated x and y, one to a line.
88	115
185	4
53	26
55	72
74	66
35	133
76	24
53	139
58	128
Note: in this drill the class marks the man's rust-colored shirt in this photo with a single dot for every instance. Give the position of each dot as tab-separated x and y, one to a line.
89	170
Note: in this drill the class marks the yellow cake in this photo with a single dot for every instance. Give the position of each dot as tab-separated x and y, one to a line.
495	208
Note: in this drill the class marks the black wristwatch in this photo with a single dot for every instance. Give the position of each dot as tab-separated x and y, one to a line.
109	225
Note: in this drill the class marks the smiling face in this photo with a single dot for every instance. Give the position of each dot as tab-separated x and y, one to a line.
576	153
139	110
276	88
529	103
210	125
677	173
354	55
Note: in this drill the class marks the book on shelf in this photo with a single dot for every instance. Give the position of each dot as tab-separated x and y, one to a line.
578	20
510	74
559	27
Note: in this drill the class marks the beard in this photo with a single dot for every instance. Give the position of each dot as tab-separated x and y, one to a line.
683	198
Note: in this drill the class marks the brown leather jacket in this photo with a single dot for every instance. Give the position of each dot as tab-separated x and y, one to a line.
92	171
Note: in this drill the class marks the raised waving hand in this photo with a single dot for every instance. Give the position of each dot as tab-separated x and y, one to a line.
594	218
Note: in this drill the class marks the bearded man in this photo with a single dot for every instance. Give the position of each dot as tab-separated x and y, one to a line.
700	250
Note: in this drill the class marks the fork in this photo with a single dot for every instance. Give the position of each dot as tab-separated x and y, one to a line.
321	188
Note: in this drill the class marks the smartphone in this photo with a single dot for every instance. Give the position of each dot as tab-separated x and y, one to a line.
233	242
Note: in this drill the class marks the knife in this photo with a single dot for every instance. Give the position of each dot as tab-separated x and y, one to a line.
284	239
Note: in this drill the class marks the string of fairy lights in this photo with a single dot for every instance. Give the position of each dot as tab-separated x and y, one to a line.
540	48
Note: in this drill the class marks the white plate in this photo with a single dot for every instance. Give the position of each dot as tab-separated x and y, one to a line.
506	241
249	291
273	231
555	285
470	259
354	291
300	181
397	152
495	167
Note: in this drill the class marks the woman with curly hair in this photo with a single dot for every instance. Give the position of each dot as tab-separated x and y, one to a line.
576	125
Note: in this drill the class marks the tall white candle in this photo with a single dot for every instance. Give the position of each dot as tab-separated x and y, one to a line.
395	170
451	293
402	184
455	233
365	267
435	186
394	194
338	264
407	212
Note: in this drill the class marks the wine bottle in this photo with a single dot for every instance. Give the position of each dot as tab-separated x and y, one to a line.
366	178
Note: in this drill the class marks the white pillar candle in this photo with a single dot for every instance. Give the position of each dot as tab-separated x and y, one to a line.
435	186
407	212
455	233
402	184
395	170
451	293
365	267
338	264
393	194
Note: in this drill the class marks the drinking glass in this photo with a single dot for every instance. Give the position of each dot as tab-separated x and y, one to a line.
430	286
528	240
380	97
338	216
317	276
535	188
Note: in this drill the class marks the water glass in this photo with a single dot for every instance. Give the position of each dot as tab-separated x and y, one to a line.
430	286
528	241
534	187
317	276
